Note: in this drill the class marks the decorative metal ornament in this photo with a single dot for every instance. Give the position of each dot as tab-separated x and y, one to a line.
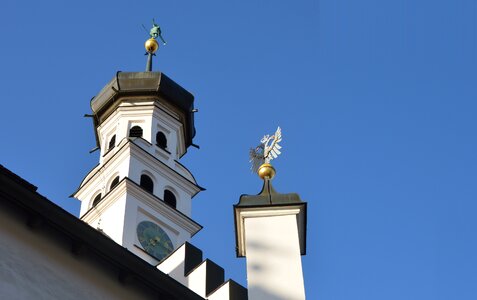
155	32
267	150
151	44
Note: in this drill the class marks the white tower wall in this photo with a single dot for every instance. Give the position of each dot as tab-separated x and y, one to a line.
151	116
127	158
274	268
271	233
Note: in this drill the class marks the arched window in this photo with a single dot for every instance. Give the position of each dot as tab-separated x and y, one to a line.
161	140
135	131
114	183
169	198
146	183
96	199
112	142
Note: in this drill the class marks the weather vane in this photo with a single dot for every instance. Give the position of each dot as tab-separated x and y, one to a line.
151	44
267	150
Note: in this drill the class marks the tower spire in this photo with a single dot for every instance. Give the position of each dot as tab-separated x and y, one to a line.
152	45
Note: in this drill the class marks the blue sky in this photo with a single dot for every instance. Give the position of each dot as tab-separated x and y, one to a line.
376	100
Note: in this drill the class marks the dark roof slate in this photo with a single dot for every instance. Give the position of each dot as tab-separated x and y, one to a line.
268	196
147	83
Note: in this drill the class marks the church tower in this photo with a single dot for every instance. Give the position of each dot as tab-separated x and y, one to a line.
139	194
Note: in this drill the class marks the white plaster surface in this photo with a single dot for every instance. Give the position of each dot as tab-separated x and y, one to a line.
274	268
197	279
35	266
222	293
152	116
132	162
117	213
174	266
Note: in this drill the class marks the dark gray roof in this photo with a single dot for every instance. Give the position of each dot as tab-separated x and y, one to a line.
268	196
147	84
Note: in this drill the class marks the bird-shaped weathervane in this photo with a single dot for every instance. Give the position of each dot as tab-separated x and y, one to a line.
267	150
151	44
155	31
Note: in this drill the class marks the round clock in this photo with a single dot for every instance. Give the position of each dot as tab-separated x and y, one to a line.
154	239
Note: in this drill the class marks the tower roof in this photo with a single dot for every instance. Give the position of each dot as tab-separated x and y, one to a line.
270	202
145	84
268	196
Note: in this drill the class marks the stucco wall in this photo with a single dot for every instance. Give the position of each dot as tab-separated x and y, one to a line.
38	264
274	268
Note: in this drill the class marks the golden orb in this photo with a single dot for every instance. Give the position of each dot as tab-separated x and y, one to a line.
266	171
151	45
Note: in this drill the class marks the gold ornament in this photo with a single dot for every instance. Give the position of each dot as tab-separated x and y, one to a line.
266	171
151	45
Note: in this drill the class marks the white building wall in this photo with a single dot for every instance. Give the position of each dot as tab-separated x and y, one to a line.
138	212
171	129
274	268
151	118
223	293
140	166
197	280
34	266
174	266
111	220
100	180
142	206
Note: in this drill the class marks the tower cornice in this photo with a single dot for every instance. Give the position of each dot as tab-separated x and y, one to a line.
255	211
128	186
269	203
146	84
128	147
168	172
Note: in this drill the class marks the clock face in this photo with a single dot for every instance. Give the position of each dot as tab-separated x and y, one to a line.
154	239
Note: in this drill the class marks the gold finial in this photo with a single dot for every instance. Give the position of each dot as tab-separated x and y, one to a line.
151	45
266	171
